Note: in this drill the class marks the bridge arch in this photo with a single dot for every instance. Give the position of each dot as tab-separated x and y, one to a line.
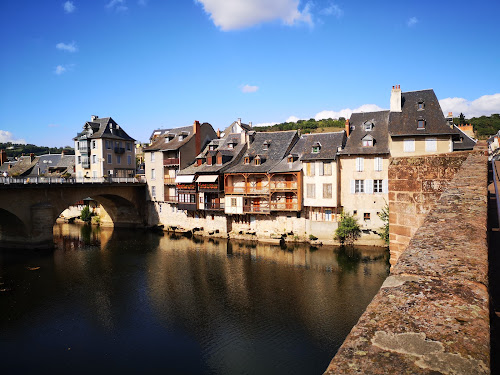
12	228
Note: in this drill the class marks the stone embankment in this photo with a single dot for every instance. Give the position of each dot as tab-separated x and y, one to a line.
431	315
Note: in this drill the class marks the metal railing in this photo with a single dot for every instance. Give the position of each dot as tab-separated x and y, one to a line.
72	180
119	150
171	161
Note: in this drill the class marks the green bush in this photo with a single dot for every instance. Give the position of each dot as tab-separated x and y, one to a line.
348	230
313	237
86	215
384	231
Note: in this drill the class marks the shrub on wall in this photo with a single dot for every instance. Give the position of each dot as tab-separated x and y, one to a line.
384	230
348	230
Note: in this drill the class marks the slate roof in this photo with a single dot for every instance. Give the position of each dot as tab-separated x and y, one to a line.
44	162
104	127
280	144
405	123
464	142
23	166
329	144
159	143
379	132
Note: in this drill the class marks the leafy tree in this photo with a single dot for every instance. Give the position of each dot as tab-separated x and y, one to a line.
86	215
384	231
348	230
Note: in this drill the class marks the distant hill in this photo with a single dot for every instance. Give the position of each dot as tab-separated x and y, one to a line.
306	126
484	126
14	149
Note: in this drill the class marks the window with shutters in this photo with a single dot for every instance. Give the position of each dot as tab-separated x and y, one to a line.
327	191
359	164
152	157
409	145
310	169
430	144
153	192
377	186
327	168
378	164
359	186
233	202
153	174
311	191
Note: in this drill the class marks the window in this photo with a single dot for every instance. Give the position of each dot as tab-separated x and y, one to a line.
181	137
327	169
233	202
153	191
211	147
366	216
129	159
431	144
152	157
378	164
327	191
368	126
315	149
230	145
359	186
247	160
359	164
257	161
328	215
79	159
310	169
311	191
94	159
94	145
377	186
153	174
409	145
420	106
118	159
368	142
266	145
109	159
94	174
290	159
129	146
421	124
108	145
355	212
219	159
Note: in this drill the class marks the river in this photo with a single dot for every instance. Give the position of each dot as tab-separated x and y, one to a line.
130	301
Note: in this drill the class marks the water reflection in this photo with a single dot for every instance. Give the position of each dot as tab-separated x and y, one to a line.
133	300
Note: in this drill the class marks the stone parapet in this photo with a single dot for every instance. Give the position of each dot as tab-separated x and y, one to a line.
431	315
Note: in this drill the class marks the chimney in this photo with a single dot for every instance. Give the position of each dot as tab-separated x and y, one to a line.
347	127
242	137
3	156
218	133
32	156
93	118
63	152
396	99
450	114
250	123
197	137
239	121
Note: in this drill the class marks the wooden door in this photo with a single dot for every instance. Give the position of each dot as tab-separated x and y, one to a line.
289	201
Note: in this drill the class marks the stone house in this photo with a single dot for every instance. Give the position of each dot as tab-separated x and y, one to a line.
104	149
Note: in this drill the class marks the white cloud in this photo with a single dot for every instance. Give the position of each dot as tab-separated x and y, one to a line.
347	112
117	5
412	21
483	106
266	124
248	88
71	47
6	136
60	69
239	14
69	7
332	10
292	119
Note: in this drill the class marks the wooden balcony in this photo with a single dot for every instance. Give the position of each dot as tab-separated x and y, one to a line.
171	161
235	190
285	206
212	206
190	206
284	185
256	209
171	199
264	190
169	180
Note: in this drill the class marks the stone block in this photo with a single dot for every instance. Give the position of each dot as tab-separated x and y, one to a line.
401	230
405	185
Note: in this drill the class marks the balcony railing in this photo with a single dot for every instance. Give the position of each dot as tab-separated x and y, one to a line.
84	149
285	206
284	185
119	150
256	209
171	161
86	163
187	206
247	190
214	206
258	190
234	189
169	180
171	199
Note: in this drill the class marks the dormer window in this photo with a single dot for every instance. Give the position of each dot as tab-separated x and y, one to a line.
420	105
199	162
230	145
247	160
368	126
257	160
266	145
181	137
211	147
367	141
219	159
421	124
316	147
290	159
209	160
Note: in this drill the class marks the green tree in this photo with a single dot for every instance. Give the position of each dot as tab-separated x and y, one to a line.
86	215
384	231
348	230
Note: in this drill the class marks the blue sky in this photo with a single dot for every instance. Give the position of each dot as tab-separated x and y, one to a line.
159	64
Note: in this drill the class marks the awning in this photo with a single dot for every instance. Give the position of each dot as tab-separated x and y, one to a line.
207	178
185	179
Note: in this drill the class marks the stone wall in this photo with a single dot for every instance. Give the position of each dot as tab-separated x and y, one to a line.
431	315
415	184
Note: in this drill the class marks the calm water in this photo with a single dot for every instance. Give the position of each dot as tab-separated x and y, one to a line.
132	301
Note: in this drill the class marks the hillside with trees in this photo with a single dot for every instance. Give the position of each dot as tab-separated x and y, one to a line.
15	150
306	126
484	126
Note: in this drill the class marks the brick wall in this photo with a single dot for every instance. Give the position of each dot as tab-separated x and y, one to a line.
415	184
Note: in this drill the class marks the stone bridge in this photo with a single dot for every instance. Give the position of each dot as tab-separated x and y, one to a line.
28	211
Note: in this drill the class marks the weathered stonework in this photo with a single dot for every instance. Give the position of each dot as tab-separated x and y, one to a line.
432	313
415	184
